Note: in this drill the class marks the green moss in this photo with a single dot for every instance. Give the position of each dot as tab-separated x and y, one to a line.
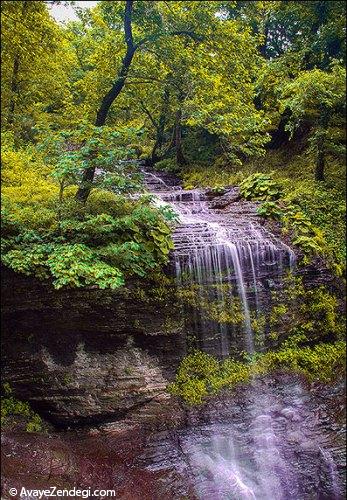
198	176
314	312
12	409
172	325
67	379
298	318
194	377
227	311
200	374
294	308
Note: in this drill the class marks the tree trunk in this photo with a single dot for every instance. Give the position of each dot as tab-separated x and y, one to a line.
322	130
88	174
115	90
176	141
161	128
14	90
14	79
180	158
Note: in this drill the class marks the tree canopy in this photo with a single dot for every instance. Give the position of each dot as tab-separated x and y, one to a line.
179	84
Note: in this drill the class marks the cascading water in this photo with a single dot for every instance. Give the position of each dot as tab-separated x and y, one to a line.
221	255
231	257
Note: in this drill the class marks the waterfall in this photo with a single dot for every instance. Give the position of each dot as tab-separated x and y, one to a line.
331	470
224	257
227	258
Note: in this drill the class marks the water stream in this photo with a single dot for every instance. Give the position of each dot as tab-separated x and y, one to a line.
227	256
231	256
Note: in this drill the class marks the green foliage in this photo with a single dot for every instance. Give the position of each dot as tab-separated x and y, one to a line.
55	77
197	176
312	92
167	165
313	312
325	207
228	311
54	237
318	98
200	374
70	151
308	209
260	187
97	250
36	60
202	148
168	213
309	238
12	408
270	209
194	377
305	235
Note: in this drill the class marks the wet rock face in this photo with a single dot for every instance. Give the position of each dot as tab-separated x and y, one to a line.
82	357
276	439
86	356
230	196
83	461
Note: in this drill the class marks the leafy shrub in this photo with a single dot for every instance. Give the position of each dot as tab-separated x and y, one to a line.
261	187
326	209
323	362
306	236
194	376
53	237
77	265
12	408
26	179
169	213
270	209
97	250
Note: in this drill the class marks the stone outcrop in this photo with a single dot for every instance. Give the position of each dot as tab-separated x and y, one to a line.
90	356
82	357
230	196
275	419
